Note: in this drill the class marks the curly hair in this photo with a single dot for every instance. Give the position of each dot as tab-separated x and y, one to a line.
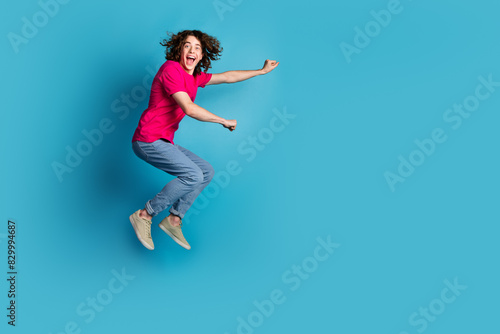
210	46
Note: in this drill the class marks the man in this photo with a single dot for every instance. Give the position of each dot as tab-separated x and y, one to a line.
172	94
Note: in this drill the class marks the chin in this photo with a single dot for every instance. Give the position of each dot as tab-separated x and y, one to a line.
189	67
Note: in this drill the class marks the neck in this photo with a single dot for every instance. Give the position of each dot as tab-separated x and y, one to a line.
188	71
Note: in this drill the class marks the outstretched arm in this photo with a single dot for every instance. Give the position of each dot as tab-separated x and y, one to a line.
195	111
236	76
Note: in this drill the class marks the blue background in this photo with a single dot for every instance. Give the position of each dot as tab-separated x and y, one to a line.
322	176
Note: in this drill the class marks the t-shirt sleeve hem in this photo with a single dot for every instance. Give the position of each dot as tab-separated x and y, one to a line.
173	91
207	79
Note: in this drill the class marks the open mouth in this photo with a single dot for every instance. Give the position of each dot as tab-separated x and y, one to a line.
190	60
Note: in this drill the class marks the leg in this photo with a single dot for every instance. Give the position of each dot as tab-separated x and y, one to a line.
180	207
170	159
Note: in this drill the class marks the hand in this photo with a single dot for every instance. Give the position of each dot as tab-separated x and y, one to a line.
229	124
269	65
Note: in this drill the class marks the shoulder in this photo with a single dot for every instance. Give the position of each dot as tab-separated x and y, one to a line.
170	66
170	69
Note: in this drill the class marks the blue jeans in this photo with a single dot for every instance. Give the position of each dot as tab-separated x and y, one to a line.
193	175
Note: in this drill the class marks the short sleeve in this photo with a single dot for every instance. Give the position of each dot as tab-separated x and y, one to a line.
203	79
172	81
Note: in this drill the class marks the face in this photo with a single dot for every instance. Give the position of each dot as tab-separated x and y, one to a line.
191	54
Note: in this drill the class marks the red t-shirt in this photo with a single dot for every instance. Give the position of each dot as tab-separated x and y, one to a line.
162	117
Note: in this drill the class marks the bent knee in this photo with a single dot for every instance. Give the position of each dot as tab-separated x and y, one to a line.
194	177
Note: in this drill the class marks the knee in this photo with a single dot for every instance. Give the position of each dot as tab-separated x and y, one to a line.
194	178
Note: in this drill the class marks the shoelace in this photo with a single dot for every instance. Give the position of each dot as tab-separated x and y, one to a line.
148	227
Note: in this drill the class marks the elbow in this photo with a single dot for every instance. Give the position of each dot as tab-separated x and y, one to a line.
188	110
228	78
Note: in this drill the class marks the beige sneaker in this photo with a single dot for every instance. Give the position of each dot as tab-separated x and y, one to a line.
142	228
174	232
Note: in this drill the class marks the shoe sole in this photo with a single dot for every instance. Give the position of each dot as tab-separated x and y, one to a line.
164	229
138	235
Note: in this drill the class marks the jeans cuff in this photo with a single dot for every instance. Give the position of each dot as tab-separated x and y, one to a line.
149	209
176	213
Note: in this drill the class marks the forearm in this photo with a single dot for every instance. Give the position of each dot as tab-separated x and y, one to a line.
236	76
201	114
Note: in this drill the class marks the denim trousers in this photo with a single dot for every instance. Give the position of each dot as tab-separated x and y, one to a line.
192	172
